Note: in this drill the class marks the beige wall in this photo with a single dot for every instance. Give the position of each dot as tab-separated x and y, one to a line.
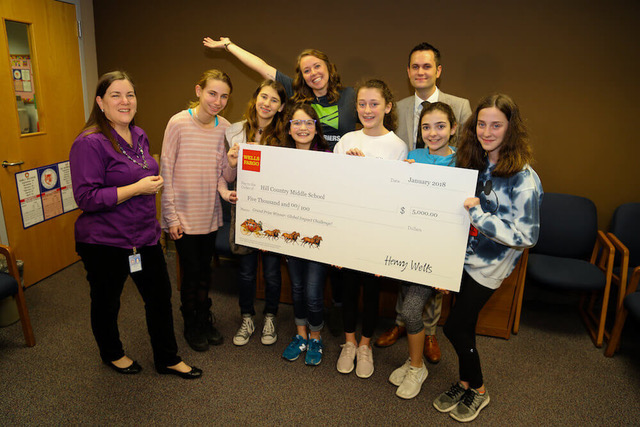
571	66
90	60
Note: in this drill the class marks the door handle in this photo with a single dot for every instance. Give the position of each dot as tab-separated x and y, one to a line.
6	164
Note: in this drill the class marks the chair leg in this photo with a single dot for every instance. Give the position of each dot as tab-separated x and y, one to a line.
595	324
24	318
614	341
520	295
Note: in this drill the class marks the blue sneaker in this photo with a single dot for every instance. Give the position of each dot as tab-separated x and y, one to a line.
314	353
297	345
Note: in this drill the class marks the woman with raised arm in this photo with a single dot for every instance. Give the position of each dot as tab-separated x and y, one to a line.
316	82
115	181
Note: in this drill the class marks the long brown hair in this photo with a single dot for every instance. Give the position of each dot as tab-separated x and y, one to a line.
391	118
98	122
318	143
272	133
515	151
303	93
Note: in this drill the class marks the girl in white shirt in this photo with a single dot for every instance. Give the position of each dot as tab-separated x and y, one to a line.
377	113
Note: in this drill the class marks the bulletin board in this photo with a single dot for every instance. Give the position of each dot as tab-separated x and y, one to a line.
44	193
22	77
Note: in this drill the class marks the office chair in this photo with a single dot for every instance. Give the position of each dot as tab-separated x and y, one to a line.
9	286
625	236
573	255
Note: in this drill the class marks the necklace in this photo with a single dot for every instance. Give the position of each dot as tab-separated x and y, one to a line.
195	115
143	165
260	130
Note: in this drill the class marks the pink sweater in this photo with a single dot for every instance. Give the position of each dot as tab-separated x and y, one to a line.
193	160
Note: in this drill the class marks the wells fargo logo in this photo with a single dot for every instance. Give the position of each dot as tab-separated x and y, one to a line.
251	160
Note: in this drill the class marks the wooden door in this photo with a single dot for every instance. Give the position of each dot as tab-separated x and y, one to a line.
47	246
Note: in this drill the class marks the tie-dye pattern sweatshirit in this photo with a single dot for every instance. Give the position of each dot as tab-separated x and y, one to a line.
507	220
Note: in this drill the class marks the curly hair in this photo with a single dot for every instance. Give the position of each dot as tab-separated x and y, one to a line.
391	118
515	151
303	93
271	134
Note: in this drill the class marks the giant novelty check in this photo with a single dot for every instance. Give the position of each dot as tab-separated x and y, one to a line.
385	217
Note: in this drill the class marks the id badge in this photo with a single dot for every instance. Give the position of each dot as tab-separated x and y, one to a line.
135	263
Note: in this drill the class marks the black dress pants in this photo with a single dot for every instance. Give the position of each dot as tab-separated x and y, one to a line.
107	270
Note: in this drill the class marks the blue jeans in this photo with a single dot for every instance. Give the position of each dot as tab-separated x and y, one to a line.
307	291
247	281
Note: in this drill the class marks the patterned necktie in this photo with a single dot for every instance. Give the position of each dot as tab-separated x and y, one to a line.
419	141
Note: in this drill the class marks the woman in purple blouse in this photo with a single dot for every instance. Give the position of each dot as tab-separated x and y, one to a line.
115	181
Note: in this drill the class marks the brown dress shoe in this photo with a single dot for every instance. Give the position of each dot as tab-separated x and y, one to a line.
432	349
390	337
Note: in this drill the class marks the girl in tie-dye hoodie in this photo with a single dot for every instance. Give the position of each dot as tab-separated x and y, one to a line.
505	220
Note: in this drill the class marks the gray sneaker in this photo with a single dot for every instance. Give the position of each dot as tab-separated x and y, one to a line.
450	398
245	331
269	335
470	405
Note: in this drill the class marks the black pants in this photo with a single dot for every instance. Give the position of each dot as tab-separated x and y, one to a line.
107	270
460	328
196	253
370	301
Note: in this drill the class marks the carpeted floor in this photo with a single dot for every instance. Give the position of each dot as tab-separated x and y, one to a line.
549	374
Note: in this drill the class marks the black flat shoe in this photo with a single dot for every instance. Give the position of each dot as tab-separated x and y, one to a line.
191	375
132	369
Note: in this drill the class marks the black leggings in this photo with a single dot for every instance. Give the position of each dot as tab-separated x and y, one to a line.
196	253
460	328
370	301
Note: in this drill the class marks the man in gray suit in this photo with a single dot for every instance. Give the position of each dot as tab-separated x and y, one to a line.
424	69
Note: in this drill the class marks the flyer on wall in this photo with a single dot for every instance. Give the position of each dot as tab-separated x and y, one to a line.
385	217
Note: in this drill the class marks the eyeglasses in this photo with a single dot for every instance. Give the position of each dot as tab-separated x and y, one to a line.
298	123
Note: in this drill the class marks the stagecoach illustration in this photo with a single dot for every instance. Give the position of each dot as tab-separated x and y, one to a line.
250	226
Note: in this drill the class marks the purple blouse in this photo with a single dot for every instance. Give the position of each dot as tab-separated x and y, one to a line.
97	170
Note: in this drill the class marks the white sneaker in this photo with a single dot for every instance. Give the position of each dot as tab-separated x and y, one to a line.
269	335
347	356
364	368
398	375
412	382
245	331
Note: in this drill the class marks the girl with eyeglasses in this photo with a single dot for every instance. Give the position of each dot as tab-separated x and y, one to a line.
505	220
317	83
304	132
263	124
377	113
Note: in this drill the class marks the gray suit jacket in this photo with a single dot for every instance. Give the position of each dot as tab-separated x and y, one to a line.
407	129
